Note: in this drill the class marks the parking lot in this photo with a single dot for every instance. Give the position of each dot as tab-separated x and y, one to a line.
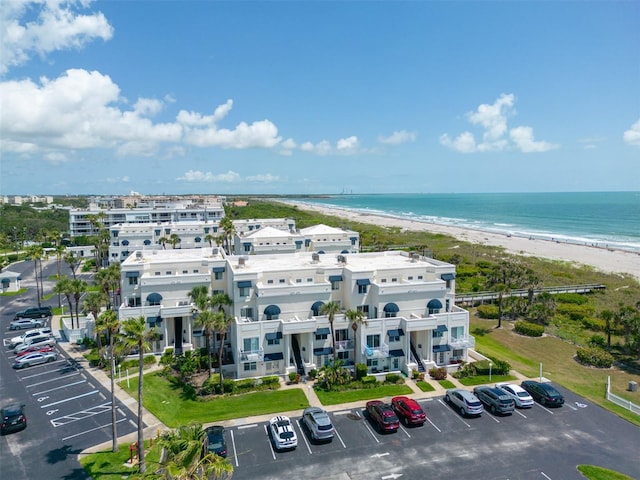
536	443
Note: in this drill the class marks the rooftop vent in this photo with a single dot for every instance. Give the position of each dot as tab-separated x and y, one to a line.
241	261
414	256
342	259
138	255
214	251
315	257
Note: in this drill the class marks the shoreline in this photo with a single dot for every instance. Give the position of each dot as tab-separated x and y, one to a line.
608	260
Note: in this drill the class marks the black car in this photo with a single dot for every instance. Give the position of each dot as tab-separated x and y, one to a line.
543	393
34	312
13	418
214	441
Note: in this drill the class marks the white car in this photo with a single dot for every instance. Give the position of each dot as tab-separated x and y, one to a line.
519	394
28	334
282	433
38	341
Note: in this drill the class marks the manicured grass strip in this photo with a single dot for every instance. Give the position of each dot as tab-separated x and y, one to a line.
335	398
111	466
446	384
173	408
484	379
592	472
13	294
425	386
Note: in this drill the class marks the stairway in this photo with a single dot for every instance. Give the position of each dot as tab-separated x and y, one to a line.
416	357
296	355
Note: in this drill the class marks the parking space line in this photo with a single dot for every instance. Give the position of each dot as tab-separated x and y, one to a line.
273	452
520	413
252	425
52	380
406	433
434	425
41	373
491	417
544	408
453	413
233	443
58	388
304	437
69	399
342	412
545	475
93	429
366	425
339	437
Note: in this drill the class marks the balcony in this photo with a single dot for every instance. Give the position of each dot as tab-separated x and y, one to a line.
376	352
252	355
467	341
344	345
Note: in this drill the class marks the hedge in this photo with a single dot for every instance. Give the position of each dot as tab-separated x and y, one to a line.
488	311
595	357
529	329
133	362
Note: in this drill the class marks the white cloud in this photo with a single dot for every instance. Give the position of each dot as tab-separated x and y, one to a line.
632	136
228	177
344	146
398	138
493	119
348	144
53	25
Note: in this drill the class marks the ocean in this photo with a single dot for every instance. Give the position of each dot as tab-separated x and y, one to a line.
604	219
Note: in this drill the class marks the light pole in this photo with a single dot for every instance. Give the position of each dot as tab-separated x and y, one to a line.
490	365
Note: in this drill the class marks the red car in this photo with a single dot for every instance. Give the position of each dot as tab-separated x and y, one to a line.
383	415
35	348
409	410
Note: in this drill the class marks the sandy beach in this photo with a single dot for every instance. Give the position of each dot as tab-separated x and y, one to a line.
601	259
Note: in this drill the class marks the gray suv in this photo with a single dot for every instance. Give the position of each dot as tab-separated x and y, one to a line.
495	400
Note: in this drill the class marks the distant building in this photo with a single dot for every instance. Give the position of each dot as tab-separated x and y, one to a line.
9	281
278	327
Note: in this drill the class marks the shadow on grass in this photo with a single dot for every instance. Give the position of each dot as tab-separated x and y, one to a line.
187	392
480	331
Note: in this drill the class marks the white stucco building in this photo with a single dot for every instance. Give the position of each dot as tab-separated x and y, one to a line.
407	300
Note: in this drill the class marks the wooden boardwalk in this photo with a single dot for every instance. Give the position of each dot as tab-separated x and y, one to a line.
473	297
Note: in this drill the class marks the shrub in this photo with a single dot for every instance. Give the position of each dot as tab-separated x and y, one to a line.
597	341
500	367
393	378
574	298
313	374
488	311
529	329
369	380
245	385
573	311
595	324
294	377
271	382
93	357
594	356
167	357
464	371
438	373
361	371
133	362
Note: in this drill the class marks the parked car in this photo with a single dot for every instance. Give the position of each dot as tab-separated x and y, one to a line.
28	334
13	418
37	341
519	395
318	423
383	415
408	410
34	312
466	402
543	393
26	323
35	348
214	441
495	400
282	433
35	358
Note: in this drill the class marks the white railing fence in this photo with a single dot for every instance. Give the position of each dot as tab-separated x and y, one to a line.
629	405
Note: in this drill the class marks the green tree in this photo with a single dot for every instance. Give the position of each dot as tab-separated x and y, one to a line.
78	288
63	287
59	253
73	261
109	281
93	303
174	240
609	325
137	337
221	323
108	321
163	241
35	253
333	374
228	230
209	238
330	309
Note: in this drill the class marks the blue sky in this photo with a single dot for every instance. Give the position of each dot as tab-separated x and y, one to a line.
318	97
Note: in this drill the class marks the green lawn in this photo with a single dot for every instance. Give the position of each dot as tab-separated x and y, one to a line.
484	379
172	408
446	384
335	398
425	386
597	473
13	294
112	466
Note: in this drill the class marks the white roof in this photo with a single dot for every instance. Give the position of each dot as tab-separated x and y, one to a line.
322	229
269	232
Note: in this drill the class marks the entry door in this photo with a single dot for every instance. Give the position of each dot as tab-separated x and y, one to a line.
178	335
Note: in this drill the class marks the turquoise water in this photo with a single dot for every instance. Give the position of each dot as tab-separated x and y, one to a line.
610	219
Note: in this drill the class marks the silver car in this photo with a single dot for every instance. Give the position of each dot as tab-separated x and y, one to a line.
35	358
318	423
39	341
466	402
26	323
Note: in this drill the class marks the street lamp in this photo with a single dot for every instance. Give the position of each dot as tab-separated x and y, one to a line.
490	365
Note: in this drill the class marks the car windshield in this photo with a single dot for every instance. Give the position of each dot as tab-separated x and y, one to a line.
215	444
390	419
417	411
523	394
11	411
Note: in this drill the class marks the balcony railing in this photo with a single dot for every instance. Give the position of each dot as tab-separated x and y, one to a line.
252	355
342	345
376	352
468	341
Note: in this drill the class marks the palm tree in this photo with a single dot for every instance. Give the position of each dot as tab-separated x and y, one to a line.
63	287
608	317
109	281
35	253
199	295
163	241
93	302
73	262
208	321
357	318
330	309
108	321
137	336
221	323
228	230
78	288
174	240
59	251
209	238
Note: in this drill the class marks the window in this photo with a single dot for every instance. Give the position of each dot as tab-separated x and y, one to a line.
420	277
217	275
246	312
437	334
410	277
383	280
250	366
298	280
457	332
244	291
273	341
157	274
394	338
309	280
269	282
216	292
393	280
335	285
167	273
373	341
133	280
364	309
282	280
250	344
362	289
322	336
184	272
372	362
343	356
342	334
195	270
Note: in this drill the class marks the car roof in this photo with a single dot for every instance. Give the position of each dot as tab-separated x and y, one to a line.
12	409
409	401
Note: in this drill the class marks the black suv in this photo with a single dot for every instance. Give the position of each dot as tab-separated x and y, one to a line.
495	400
543	393
34	312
